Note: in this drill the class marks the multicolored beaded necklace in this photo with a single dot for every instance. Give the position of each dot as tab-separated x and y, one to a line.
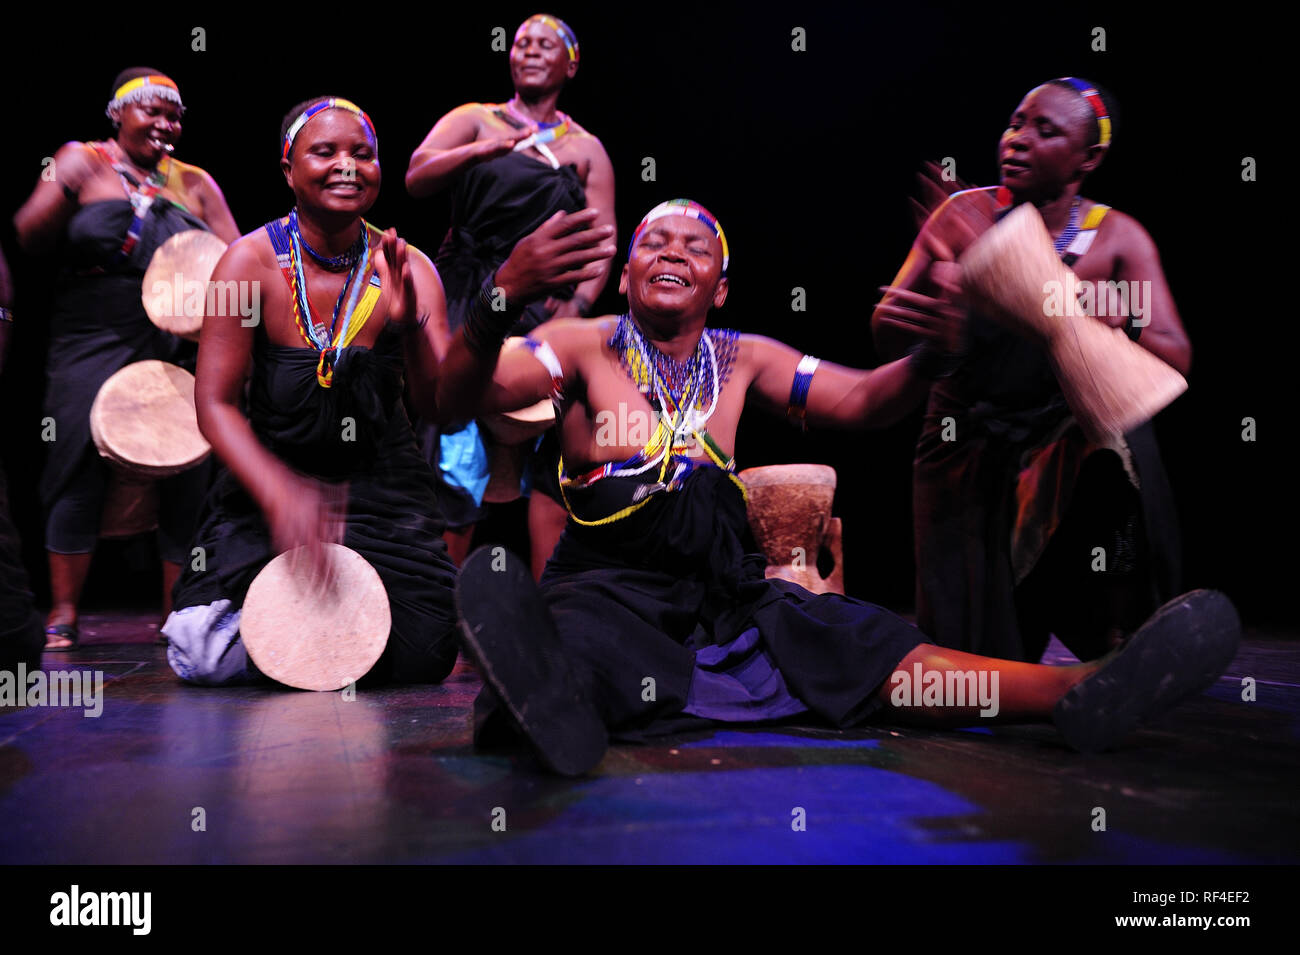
326	341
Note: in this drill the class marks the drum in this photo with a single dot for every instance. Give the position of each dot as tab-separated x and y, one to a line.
1111	383
143	420
790	516
316	635
175	285
508	438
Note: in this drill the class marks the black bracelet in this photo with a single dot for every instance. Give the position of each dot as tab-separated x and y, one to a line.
489	319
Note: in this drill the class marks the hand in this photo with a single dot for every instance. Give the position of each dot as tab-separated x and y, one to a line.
566	249
938	324
492	148
303	515
395	273
935	188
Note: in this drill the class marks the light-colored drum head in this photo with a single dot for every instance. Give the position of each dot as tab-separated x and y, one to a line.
175	286
143	420
320	637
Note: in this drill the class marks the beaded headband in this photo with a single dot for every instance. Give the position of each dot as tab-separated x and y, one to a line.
564	31
1093	98
142	88
334	102
690	209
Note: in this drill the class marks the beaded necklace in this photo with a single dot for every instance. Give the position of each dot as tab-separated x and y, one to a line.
326	341
334	263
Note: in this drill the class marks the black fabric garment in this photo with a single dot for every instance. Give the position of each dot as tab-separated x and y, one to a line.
1005	405
21	631
393	519
98	326
628	597
493	206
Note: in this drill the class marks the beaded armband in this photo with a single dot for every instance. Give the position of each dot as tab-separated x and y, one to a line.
6	315
803	376
544	353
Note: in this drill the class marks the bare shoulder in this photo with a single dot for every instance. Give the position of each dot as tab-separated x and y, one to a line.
576	332
193	175
249	254
589	142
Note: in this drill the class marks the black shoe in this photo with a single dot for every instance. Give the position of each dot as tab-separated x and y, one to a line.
507	629
1185	646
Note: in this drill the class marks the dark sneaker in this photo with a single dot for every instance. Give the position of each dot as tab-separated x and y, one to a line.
507	629
1179	652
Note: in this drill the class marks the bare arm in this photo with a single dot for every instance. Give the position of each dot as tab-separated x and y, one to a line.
838	397
213	209
1139	262
418	306
452	146
52	203
600	196
566	249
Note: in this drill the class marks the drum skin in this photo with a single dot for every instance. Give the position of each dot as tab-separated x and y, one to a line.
143	420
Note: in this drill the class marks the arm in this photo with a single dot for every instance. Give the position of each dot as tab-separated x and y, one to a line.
213	208
1139	261
838	397
452	146
291	504
419	307
600	196
566	249
52	203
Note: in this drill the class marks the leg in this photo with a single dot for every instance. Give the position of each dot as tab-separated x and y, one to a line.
67	578
546	520
1181	650
1024	692
171	572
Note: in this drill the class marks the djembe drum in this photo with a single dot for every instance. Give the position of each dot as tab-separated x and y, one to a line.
181	266
316	634
508	441
143	423
1110	382
790	516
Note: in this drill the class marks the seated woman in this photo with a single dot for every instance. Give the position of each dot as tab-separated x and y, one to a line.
343	309
107	209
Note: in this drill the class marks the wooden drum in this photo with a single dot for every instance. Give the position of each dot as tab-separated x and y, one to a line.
790	516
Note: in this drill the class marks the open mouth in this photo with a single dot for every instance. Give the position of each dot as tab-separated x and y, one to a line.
667	279
344	188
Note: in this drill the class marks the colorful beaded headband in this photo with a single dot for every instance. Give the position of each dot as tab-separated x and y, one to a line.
560	27
334	102
691	209
143	87
1089	93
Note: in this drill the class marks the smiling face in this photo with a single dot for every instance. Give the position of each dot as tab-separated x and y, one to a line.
539	60
1049	142
333	166
675	269
147	127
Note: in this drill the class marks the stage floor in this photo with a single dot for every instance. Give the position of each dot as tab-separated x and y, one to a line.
291	777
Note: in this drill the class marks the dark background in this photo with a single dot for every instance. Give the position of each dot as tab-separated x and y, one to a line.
806	157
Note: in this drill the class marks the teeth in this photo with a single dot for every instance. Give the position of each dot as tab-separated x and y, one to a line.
668	278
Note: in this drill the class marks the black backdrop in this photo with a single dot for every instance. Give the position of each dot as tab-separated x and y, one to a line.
807	158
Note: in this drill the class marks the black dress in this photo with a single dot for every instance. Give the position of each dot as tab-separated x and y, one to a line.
493	206
98	327
676	591
1012	501
392	512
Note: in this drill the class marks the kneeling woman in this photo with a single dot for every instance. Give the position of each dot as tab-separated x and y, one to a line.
344	309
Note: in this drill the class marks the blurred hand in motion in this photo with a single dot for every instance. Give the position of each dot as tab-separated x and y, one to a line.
566	249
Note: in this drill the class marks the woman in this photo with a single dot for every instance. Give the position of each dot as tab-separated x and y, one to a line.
107	208
1010	501
509	167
